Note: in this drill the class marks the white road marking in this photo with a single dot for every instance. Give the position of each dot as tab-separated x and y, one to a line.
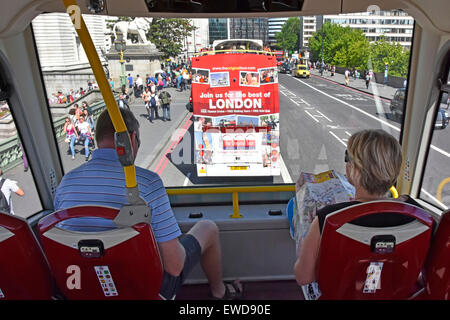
378	103
348	133
351	106
309	114
284	172
379	107
324	116
306	103
337	138
441	151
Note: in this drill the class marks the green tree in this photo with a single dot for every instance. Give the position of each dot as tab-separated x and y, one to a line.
169	34
341	46
393	54
287	38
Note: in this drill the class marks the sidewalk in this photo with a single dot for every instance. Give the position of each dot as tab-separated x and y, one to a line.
153	137
377	89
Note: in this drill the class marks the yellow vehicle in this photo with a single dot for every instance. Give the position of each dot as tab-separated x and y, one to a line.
302	71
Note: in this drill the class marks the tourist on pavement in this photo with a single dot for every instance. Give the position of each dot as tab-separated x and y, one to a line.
85	134
165	100
71	135
7	187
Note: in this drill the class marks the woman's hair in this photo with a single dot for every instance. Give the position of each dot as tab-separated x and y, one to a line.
377	156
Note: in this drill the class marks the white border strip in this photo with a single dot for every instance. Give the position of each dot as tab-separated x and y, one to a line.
284	172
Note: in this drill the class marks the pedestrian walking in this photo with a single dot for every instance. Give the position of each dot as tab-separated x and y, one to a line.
71	135
130	81
367	80
122	102
24	158
165	100
7	187
139	86
347	77
146	99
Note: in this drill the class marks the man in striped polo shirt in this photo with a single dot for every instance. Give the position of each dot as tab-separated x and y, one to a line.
101	182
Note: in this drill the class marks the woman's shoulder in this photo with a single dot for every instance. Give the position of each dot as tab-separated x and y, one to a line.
335	207
322	213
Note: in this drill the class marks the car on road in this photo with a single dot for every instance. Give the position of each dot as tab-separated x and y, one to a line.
302	71
398	103
285	68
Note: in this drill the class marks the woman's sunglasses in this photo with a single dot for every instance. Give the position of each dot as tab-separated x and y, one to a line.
346	157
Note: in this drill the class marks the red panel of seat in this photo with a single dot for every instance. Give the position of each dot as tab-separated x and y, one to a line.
437	274
343	262
24	272
130	267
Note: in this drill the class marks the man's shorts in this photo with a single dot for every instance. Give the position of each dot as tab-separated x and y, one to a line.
171	284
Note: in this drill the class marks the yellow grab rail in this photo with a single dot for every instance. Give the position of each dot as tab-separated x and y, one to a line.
235	192
394	192
94	61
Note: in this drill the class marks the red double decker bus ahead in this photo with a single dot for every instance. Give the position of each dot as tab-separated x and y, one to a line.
235	106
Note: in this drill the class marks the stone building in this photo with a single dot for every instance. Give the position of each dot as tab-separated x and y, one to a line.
63	61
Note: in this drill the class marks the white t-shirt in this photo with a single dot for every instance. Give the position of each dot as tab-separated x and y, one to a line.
83	127
8	187
139	81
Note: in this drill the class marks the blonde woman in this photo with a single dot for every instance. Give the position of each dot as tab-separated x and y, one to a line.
373	159
71	135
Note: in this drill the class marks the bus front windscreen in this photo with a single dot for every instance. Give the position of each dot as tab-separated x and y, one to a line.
236	117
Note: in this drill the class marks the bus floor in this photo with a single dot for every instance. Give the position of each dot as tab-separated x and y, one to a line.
258	290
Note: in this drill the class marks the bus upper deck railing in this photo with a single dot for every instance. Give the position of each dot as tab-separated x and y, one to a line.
213	52
244	189
234	191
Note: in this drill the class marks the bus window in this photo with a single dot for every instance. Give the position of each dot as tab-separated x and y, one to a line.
72	93
436	180
17	181
284	125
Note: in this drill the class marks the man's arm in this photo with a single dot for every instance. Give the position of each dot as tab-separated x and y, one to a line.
20	192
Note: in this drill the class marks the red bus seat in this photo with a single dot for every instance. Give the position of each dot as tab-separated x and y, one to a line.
437	266
92	258
24	270
356	262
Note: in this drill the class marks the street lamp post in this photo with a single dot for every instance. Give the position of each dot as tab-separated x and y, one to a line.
386	72
120	46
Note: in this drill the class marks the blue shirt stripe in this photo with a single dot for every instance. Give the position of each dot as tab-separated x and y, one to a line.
101	181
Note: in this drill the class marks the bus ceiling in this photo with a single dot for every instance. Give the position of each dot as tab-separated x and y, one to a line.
15	16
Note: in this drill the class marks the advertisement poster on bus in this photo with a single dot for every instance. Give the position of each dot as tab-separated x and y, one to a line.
236	116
